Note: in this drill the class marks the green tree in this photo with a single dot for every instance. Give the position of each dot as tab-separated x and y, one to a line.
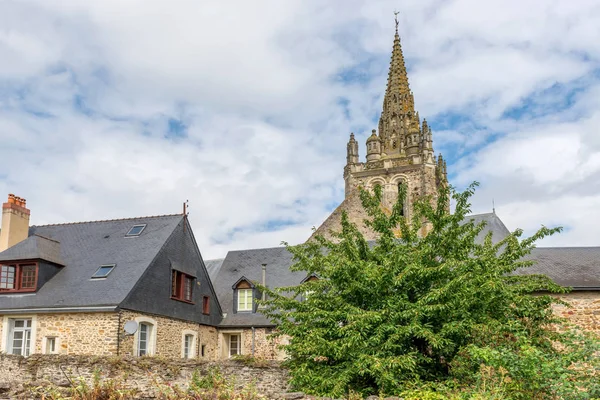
442	311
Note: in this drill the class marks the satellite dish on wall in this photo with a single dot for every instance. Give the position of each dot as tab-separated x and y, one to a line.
130	327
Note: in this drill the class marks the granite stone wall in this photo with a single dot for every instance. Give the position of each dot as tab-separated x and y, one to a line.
19	377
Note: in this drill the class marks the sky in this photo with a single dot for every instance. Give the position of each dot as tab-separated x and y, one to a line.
122	108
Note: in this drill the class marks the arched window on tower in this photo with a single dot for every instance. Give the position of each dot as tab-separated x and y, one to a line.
400	185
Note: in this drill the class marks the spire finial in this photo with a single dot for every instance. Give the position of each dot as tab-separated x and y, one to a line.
396	19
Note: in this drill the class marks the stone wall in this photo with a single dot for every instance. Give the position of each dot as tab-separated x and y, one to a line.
584	310
19	376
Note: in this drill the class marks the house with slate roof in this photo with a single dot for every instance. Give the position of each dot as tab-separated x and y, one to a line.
71	288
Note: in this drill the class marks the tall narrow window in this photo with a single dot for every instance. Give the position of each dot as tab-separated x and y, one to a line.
182	286
234	345
244	300
19	340
188	341
400	184
143	339
206	305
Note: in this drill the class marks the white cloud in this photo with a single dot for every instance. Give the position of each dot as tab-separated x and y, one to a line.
87	90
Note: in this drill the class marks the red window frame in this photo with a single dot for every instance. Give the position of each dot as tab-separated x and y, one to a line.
182	287
22	274
206	305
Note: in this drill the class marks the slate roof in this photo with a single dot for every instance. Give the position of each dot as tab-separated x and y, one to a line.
576	267
492	224
83	248
213	267
33	248
248	263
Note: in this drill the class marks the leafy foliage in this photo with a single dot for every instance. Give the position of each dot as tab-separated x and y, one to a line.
442	312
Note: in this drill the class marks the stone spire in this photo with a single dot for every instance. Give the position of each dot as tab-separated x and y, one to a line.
398	120
352	150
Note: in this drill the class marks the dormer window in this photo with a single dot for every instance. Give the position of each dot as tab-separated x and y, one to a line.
243	296
136	230
18	277
244	299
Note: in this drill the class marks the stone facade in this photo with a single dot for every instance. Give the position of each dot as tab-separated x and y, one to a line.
73	333
102	334
78	333
169	337
584	310
258	343
400	154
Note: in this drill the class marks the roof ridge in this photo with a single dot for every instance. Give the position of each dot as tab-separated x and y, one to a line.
477	215
45	237
260	248
108	220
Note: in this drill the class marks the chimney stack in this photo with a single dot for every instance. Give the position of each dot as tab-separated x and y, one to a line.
15	222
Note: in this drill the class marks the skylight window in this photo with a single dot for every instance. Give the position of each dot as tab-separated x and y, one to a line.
136	230
103	271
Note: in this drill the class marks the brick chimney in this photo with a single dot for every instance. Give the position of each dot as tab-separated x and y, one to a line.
15	222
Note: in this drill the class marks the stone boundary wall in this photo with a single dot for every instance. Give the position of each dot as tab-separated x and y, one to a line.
19	376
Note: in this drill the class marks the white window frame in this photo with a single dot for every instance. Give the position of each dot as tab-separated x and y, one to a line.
248	299
150	337
45	349
6	340
193	345
238	347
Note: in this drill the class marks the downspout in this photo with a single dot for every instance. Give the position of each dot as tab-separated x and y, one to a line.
119	335
264	280
253	336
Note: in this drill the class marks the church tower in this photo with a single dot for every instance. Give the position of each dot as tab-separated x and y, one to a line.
400	152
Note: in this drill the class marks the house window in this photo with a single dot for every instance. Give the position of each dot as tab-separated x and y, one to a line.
103	271
18	277
244	300
145	330
235	345
188	346
50	345
206	305
19	338
144	339
182	286
136	230
203	350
